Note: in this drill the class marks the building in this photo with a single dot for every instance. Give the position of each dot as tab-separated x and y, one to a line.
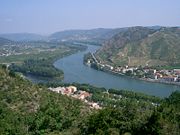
128	69
169	78
72	89
158	75
83	94
177	71
94	105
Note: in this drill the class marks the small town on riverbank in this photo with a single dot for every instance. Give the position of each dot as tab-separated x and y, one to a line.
144	73
99	100
72	91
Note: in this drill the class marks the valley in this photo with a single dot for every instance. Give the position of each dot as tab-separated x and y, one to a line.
36	58
54	87
95	67
141	53
44	62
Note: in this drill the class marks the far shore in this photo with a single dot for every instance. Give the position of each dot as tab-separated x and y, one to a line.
142	79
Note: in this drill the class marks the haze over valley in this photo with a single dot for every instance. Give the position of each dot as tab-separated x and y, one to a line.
89	67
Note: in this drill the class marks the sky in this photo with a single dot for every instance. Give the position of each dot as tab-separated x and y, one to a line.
48	16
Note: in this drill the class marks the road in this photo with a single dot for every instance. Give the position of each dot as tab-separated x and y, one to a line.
94	58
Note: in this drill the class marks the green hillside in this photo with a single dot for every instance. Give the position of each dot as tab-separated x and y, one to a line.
28	109
143	46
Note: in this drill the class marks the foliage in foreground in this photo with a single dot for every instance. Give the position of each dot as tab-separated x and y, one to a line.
32	109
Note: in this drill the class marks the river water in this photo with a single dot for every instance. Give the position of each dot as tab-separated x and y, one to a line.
75	71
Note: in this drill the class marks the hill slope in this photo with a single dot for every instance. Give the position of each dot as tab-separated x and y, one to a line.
93	35
4	41
141	46
23	36
28	109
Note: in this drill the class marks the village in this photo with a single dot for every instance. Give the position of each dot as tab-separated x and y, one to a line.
8	50
144	73
15	48
19	48
72	91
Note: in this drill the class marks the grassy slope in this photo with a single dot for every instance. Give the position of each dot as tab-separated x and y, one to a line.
141	46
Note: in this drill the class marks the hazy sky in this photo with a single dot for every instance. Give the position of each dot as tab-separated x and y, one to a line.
48	16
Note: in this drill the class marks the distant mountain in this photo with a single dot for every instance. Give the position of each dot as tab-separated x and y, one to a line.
93	35
23	37
156	27
142	46
4	41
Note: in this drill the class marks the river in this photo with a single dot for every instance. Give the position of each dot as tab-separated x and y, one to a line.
75	71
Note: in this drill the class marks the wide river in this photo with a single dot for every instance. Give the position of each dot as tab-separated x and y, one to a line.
76	71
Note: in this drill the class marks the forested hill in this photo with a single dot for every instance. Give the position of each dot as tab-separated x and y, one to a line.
28	109
143	46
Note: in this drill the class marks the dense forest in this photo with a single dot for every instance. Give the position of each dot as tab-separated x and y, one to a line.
39	67
31	109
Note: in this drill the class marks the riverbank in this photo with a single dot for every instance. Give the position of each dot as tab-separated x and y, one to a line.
158	81
42	67
75	71
142	79
90	60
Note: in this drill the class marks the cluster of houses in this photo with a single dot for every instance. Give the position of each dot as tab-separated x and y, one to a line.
6	51
146	73
12	49
78	94
167	75
125	69
156	75
20	48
